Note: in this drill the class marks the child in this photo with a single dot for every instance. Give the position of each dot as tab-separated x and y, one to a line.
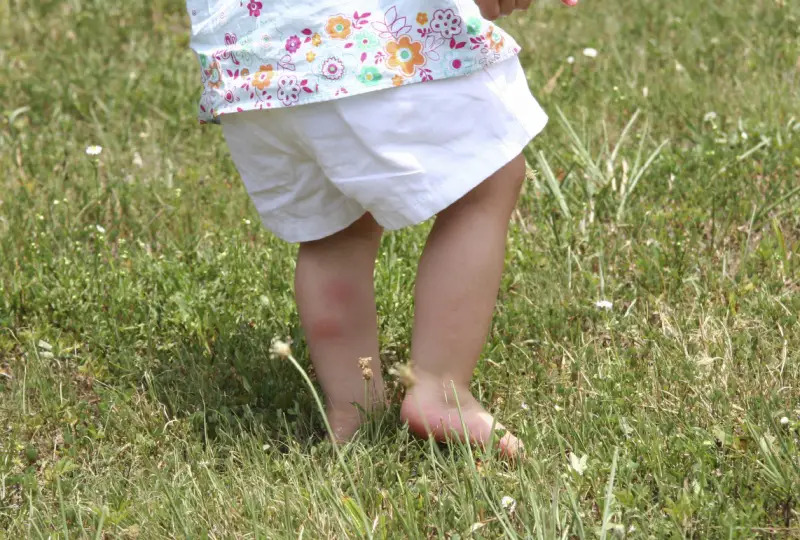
336	141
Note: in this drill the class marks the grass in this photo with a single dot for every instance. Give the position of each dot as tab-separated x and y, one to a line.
139	297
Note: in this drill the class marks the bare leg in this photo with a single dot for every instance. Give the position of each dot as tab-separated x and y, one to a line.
336	300
457	284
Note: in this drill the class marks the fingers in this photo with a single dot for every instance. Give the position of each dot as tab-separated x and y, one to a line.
507	7
490	9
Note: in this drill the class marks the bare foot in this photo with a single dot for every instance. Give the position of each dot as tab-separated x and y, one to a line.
430	410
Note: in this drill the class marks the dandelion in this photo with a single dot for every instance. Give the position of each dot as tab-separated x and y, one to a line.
577	464
94	150
280	349
508	504
570	59
590	52
784	421
604	305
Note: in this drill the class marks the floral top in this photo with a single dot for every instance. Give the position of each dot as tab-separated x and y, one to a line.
260	54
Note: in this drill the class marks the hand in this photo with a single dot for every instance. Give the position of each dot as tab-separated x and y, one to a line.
492	9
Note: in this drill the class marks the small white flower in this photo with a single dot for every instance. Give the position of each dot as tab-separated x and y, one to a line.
93	150
784	421
590	52
604	304
710	116
744	135
679	67
524	406
509	504
645	91
137	160
246	221
570	59
100	229
578	464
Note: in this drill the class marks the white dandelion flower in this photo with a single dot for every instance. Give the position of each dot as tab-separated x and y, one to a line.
508	504
577	464
93	150
604	304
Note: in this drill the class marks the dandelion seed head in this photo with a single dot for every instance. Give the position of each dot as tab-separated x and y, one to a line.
784	421
280	348
405	373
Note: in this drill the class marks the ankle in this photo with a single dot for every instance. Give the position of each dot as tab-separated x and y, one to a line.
441	387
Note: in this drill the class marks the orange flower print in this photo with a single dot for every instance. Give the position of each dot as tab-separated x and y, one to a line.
338	27
405	55
397	80
316	40
263	78
495	39
422	18
214	75
310	56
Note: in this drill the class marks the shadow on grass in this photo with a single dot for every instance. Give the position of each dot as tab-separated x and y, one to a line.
228	385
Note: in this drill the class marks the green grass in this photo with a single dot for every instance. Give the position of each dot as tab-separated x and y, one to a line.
139	296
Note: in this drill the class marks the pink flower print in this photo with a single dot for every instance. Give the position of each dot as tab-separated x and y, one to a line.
255	8
333	68
224	54
288	90
293	44
446	22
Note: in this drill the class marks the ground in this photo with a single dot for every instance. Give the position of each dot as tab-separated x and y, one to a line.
139	297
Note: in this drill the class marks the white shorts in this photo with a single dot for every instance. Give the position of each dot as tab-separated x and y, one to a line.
402	154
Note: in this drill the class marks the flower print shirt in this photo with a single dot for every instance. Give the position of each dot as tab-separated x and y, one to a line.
262	54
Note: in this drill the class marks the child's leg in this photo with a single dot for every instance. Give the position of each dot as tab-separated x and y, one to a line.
457	284
336	300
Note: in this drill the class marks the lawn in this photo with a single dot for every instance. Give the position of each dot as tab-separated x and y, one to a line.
646	345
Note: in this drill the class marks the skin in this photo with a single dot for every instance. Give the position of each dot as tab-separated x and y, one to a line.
493	9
